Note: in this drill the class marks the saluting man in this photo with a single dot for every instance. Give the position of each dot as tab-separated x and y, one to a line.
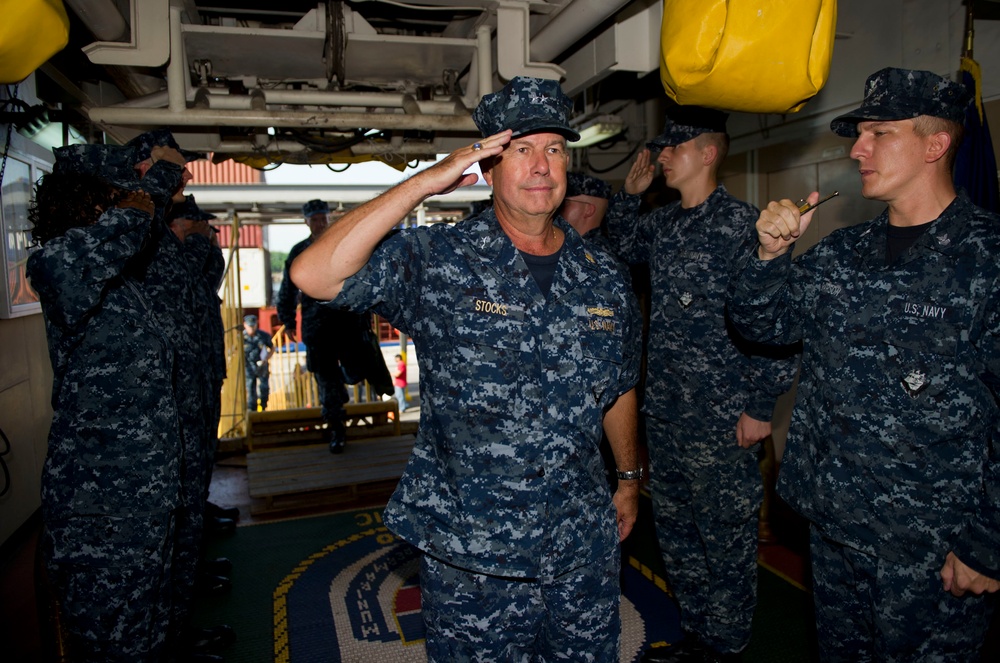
528	341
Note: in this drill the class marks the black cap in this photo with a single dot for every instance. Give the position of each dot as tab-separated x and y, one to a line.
314	207
686	122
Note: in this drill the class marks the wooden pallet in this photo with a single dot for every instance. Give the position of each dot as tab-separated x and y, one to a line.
297	426
294	476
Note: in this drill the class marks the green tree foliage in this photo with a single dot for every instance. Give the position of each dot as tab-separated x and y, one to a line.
278	261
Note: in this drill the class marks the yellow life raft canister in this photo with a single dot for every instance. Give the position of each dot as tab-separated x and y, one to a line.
31	32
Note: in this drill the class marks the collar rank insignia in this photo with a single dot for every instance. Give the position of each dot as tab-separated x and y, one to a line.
686	299
915	382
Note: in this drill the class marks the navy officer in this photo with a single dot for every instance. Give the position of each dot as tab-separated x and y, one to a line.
528	340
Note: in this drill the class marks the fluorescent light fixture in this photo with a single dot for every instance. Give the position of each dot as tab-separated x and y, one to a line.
48	134
598	129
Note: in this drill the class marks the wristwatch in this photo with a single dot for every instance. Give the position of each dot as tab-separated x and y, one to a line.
630	475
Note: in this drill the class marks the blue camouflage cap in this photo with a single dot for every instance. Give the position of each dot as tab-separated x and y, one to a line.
686	122
579	184
250	320
526	105
189	210
111	162
145	142
903	94
315	207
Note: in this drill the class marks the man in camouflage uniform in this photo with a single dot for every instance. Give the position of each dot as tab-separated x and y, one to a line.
585	204
203	266
169	282
329	334
207	266
893	450
709	395
257	349
528	341
111	482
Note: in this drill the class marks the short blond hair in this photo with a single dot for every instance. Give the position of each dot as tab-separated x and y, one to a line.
720	141
926	125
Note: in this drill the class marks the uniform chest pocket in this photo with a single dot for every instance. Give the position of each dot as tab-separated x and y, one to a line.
699	271
932	337
602	349
487	362
922	359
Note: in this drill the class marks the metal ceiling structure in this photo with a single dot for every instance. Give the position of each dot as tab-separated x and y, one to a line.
339	81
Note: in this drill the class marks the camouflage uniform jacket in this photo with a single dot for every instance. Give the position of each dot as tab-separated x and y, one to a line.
893	448
697	370
253	348
115	439
206	266
505	477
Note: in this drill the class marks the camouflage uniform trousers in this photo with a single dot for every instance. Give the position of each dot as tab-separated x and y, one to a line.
190	530
706	494
213	414
111	576
471	616
870	609
252	380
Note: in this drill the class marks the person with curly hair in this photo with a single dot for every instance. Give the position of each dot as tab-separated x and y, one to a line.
111	479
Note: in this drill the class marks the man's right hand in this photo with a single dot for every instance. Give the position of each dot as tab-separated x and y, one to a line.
780	225
449	174
957	578
139	200
164	153
640	176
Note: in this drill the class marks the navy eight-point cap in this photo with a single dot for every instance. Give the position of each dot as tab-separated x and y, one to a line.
903	94
526	105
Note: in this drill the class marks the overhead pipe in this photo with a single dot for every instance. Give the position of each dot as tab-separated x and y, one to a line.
255	118
484	61
568	26
101	17
177	79
320	98
514	31
152	100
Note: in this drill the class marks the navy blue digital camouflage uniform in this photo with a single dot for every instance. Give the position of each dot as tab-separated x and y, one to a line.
209	266
893	452
176	280
506	478
110	485
206	266
168	281
257	376
700	378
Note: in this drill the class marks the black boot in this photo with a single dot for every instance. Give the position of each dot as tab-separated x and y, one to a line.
337	435
214	510
220	566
